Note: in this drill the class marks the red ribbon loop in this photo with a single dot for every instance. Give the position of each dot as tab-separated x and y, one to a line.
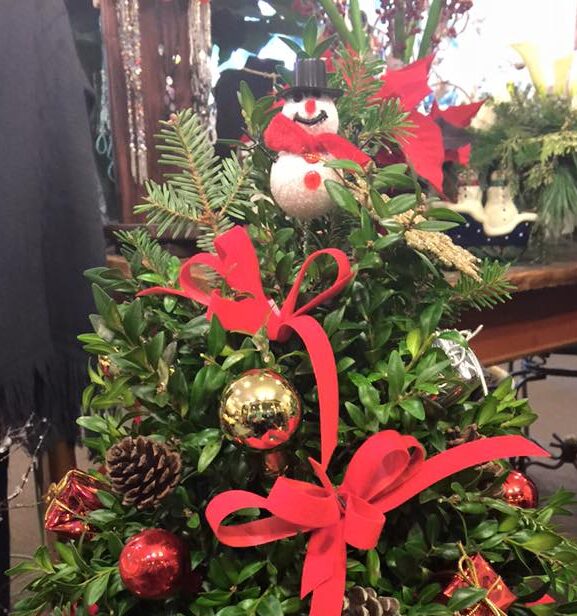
236	262
385	472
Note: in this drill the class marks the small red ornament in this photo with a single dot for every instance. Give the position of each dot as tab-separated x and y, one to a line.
520	491
476	572
153	564
70	501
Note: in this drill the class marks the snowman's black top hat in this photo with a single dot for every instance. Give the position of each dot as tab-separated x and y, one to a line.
310	78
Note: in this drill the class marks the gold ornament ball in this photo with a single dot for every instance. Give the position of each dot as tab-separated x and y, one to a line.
260	410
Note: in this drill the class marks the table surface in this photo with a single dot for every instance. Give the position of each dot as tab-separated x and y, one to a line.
540	317
530	277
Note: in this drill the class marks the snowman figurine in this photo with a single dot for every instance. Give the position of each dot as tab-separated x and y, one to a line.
499	216
469	195
501	213
305	136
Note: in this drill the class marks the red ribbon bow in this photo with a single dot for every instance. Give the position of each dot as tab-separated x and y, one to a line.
383	474
284	135
237	263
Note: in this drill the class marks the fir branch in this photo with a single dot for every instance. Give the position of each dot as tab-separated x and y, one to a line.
491	289
138	243
185	144
236	187
166	209
358	77
203	193
386	122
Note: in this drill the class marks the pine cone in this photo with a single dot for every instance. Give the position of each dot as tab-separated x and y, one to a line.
361	601
142	471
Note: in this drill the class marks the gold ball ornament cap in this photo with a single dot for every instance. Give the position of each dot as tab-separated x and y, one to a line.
260	410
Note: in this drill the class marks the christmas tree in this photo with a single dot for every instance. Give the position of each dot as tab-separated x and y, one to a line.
289	422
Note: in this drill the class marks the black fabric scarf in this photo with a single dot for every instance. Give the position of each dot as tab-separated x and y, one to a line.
50	225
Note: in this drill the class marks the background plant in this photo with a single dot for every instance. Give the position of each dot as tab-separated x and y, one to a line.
533	140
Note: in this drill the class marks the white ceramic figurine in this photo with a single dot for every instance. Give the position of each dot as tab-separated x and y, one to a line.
499	216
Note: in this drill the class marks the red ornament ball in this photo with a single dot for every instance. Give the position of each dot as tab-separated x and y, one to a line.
153	564
520	491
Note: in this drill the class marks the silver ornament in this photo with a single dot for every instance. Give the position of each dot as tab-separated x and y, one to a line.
466	364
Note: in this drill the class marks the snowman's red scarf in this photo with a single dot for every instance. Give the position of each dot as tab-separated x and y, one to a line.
284	135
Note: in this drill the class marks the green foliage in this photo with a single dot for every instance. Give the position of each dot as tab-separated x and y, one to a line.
533	140
374	123
203	194
492	289
139	249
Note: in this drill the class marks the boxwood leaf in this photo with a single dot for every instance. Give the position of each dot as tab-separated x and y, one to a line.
342	197
208	454
414	407
96	588
466	597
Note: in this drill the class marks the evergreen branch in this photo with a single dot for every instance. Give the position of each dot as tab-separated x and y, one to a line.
166	209
386	122
202	192
491	289
194	188
150	253
197	149
236	187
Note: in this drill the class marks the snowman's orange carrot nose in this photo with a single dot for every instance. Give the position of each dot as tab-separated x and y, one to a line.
310	106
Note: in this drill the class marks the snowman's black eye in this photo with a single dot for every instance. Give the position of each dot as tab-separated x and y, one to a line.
297	97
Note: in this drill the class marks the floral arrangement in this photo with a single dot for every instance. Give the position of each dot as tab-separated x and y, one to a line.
532	140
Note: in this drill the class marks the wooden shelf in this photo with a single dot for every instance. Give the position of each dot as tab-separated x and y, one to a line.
540	317
528	278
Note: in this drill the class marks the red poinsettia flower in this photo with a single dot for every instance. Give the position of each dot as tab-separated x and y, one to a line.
425	147
459	116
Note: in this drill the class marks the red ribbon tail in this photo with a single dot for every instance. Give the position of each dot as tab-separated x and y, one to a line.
454	460
325	370
327	599
325	571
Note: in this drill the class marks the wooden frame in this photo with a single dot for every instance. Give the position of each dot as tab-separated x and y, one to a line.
163	23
